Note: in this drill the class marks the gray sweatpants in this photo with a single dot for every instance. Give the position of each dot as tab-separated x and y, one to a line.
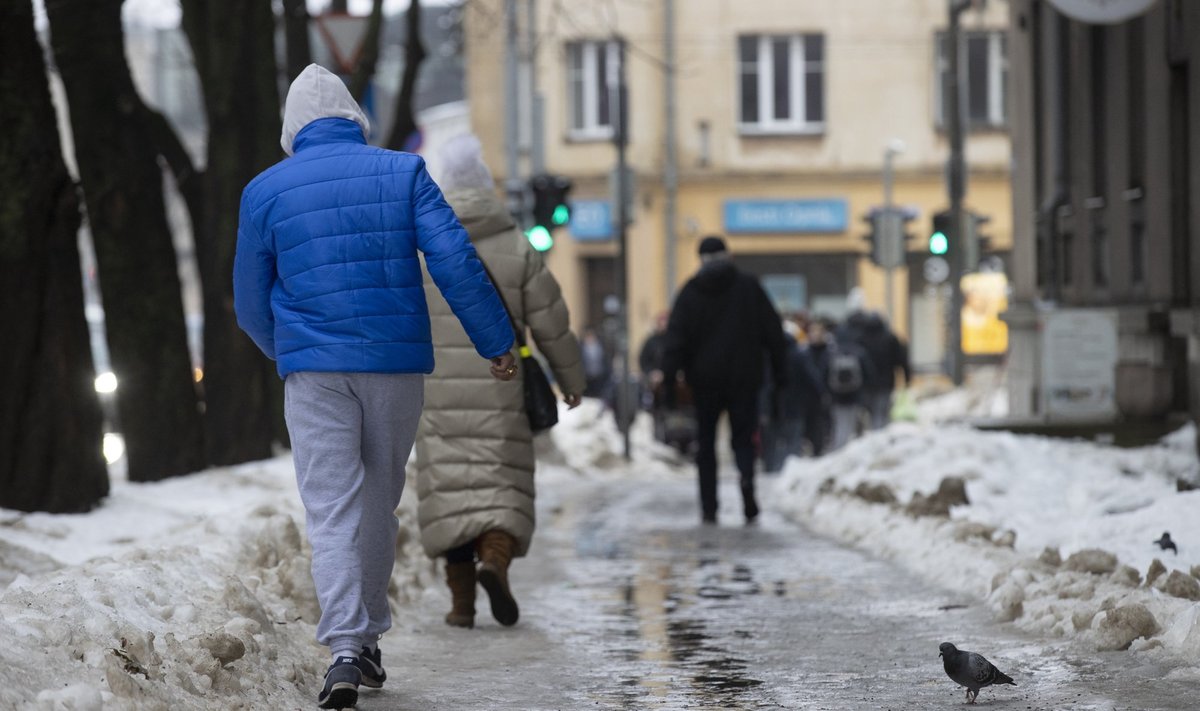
351	435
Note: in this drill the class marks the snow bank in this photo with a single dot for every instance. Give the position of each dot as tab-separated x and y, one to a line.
195	592
1056	537
192	593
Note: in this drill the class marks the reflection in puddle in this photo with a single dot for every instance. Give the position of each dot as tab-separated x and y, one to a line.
667	608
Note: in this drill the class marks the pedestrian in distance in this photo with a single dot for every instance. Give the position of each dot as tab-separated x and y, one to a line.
722	330
818	414
475	458
791	407
597	365
887	354
849	372
327	282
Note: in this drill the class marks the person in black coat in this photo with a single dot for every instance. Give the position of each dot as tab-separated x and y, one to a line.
720	329
887	353
796	403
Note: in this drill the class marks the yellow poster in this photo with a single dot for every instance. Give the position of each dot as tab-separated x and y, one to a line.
985	297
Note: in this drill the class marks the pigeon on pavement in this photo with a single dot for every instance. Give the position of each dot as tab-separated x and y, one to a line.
970	670
1166	543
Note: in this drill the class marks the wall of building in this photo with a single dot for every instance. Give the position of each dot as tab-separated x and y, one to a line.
1106	124
881	84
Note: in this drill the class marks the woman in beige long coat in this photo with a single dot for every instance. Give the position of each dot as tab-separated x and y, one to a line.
475	457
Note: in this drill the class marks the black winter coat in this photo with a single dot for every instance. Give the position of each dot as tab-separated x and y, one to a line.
886	352
721	327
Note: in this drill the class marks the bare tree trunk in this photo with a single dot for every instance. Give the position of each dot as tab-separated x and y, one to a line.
50	422
295	33
369	56
233	45
404	124
123	187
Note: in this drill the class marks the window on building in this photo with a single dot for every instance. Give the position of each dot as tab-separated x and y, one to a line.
782	83
984	68
590	65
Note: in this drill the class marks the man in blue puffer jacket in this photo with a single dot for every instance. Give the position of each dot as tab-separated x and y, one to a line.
328	283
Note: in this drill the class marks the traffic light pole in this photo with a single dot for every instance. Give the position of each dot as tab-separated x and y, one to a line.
888	181
621	139
956	180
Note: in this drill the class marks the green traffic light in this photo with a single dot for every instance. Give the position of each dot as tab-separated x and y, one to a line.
540	238
938	243
561	214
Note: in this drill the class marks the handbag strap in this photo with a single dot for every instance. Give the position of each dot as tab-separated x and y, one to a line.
518	332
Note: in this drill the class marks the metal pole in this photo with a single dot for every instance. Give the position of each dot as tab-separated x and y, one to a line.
671	158
514	188
620	138
956	178
888	154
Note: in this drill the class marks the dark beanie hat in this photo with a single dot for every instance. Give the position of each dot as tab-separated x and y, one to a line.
712	244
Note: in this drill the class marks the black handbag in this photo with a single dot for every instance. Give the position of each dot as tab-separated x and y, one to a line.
541	406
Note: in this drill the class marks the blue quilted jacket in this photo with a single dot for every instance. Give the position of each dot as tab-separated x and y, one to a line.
327	276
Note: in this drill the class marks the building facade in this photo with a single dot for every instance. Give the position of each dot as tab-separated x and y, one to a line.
1106	130
779	114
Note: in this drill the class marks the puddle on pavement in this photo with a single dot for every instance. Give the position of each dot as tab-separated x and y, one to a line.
661	625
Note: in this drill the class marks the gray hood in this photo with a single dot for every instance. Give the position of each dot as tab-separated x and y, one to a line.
480	211
316	94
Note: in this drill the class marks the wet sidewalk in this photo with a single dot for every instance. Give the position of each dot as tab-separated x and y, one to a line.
628	603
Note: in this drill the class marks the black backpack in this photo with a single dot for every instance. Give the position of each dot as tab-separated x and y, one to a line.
845	373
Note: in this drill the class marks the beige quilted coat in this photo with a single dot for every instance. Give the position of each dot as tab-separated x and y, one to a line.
474	449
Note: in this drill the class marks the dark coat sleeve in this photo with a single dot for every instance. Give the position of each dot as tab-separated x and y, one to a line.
676	354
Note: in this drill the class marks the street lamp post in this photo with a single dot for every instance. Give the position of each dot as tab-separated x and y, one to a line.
956	186
894	147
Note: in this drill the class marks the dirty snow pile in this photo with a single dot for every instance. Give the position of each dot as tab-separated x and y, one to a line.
1057	536
189	593
195	593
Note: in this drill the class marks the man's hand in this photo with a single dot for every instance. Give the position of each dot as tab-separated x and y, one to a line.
572	401
504	367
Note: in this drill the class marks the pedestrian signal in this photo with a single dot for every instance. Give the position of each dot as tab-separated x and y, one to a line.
550	209
939	238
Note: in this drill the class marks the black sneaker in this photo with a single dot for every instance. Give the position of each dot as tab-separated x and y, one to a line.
341	684
371	666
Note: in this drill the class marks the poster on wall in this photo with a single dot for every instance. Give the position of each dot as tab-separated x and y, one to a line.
788	292
1079	364
985	297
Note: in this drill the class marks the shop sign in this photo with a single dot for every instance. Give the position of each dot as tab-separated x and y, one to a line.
785	216
591	220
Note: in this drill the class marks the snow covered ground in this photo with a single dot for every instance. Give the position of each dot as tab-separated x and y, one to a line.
1056	537
194	593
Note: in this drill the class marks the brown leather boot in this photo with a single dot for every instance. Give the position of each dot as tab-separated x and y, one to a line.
461	579
495	549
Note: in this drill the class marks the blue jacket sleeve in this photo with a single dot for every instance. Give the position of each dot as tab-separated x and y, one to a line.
253	277
456	270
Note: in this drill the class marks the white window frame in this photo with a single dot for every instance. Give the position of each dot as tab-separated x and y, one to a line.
996	69
590	128
798	69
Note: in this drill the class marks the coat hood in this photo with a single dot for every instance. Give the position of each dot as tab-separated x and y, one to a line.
716	276
480	212
317	94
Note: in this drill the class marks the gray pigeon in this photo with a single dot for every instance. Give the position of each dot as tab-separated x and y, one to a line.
970	670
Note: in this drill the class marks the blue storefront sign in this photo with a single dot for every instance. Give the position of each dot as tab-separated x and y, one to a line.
785	216
591	220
